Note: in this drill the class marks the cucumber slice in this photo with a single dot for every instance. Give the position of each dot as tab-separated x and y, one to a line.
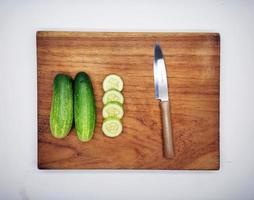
113	109
112	127
112	81
112	95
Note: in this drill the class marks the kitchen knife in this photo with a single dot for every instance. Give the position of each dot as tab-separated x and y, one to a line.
161	92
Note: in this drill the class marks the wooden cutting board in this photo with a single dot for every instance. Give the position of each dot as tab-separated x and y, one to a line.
193	65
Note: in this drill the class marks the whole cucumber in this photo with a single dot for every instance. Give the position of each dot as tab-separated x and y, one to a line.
84	107
61	115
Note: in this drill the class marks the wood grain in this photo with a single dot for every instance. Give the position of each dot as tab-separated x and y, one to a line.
193	62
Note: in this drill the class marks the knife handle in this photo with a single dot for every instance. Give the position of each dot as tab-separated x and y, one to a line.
167	130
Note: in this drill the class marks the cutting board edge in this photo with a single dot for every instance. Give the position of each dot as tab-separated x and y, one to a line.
48	33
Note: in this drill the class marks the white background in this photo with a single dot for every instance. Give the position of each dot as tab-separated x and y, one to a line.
19	176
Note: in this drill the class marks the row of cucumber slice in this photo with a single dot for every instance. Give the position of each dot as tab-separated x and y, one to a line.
113	105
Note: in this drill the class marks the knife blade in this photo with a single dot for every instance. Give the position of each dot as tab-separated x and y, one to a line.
161	92
160	74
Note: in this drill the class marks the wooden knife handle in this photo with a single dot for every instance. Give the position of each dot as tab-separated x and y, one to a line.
167	130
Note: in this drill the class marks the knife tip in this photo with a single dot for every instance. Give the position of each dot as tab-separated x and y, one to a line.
157	51
157	43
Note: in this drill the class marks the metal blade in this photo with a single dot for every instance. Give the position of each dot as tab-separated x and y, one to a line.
160	74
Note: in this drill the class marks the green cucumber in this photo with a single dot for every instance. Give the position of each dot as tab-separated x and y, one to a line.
84	107
112	81
113	109
112	95
61	114
112	127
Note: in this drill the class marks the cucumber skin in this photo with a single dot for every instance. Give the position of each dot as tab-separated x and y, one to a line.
84	107
61	114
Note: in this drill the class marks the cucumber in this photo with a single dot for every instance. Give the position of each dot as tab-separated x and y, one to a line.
112	127
84	107
114	110
112	95
61	114
113	105
112	81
